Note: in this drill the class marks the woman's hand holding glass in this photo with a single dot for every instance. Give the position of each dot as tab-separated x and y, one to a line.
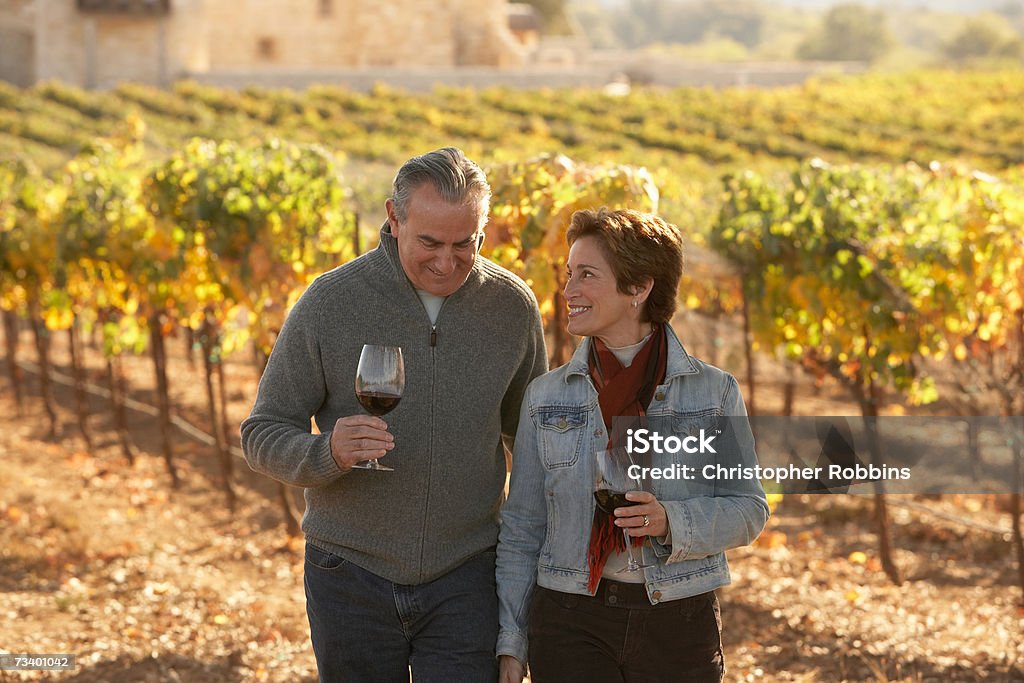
645	507
612	485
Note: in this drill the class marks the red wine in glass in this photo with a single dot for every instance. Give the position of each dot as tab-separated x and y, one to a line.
377	403
609	501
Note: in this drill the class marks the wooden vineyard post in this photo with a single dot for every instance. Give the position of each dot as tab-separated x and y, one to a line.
13	371
42	339
78	374
158	352
208	337
118	392
748	353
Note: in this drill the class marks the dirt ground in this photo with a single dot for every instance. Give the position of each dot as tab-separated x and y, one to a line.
145	583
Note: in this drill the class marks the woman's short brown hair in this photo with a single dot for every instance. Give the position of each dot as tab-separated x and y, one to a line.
638	246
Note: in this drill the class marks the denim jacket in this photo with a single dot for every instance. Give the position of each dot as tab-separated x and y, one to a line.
546	521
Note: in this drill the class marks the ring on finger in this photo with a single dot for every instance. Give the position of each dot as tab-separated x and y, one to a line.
647	520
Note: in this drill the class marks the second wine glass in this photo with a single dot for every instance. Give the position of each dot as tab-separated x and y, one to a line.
380	381
611	483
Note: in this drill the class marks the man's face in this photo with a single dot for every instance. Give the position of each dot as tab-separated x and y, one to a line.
437	242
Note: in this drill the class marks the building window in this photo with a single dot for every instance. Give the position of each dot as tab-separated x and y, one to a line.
266	48
326	7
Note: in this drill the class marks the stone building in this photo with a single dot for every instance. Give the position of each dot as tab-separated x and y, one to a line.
96	43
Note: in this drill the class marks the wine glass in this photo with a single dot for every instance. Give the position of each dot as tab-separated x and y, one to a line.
380	381
611	483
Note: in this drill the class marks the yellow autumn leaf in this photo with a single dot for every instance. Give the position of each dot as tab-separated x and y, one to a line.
857	557
771	539
58	319
546	307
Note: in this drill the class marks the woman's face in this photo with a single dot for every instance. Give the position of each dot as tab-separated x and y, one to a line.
596	307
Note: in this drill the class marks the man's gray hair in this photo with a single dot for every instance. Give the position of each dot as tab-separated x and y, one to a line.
455	177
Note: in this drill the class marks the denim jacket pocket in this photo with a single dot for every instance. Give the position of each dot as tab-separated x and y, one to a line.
691	424
561	435
696	433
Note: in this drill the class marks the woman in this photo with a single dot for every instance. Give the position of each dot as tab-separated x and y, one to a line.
565	603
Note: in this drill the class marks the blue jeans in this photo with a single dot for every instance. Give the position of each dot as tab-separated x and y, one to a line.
366	628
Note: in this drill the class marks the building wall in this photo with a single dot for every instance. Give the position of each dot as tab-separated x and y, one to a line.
17	42
17	14
482	35
99	50
60	42
292	34
109	39
295	31
52	39
17	57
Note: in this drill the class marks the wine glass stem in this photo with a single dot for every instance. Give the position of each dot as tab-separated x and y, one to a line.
629	548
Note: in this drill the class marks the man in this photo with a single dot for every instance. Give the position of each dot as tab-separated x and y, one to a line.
399	567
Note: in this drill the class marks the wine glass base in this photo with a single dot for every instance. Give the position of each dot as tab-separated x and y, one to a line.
372	465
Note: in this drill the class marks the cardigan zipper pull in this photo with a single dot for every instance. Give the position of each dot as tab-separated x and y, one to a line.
433	336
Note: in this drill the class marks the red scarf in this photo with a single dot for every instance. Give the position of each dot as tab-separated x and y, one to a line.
621	392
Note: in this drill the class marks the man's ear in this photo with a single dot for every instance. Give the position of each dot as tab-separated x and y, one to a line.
389	206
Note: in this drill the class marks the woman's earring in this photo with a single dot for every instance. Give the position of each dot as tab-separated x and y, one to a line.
634	303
